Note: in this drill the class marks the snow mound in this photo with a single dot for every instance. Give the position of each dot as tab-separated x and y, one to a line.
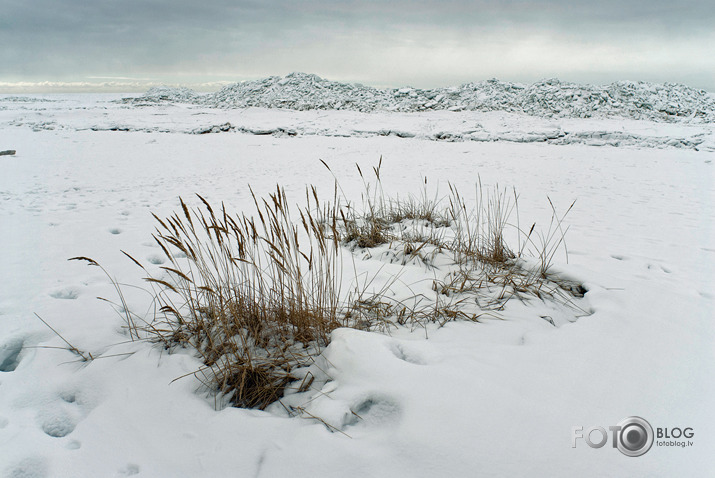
548	98
25	99
158	94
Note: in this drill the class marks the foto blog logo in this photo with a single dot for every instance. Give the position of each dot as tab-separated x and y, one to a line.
633	436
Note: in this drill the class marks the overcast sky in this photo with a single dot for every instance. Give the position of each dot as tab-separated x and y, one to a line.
421	43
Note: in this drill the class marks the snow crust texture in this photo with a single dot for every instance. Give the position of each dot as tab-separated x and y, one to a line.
668	102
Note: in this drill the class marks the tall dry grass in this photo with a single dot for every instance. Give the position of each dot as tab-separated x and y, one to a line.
256	296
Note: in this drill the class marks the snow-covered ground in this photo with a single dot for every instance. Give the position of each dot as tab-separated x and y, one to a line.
498	398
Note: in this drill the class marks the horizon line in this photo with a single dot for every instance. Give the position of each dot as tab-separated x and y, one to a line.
140	85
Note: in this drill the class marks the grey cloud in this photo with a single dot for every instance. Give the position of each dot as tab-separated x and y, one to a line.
55	39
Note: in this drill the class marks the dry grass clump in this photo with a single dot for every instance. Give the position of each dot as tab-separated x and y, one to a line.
257	296
373	223
487	269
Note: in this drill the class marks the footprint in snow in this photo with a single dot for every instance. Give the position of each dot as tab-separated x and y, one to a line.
407	353
61	416
73	445
658	266
156	259
130	470
68	396
31	467
68	293
10	355
115	230
58	423
374	411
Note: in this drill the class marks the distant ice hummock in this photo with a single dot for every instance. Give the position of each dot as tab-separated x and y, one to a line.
546	98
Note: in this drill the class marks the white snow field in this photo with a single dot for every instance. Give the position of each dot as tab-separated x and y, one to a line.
496	398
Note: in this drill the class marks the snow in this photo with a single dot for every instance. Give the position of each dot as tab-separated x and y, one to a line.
112	113
497	398
547	98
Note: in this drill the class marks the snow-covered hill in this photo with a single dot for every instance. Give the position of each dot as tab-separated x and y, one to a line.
547	98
